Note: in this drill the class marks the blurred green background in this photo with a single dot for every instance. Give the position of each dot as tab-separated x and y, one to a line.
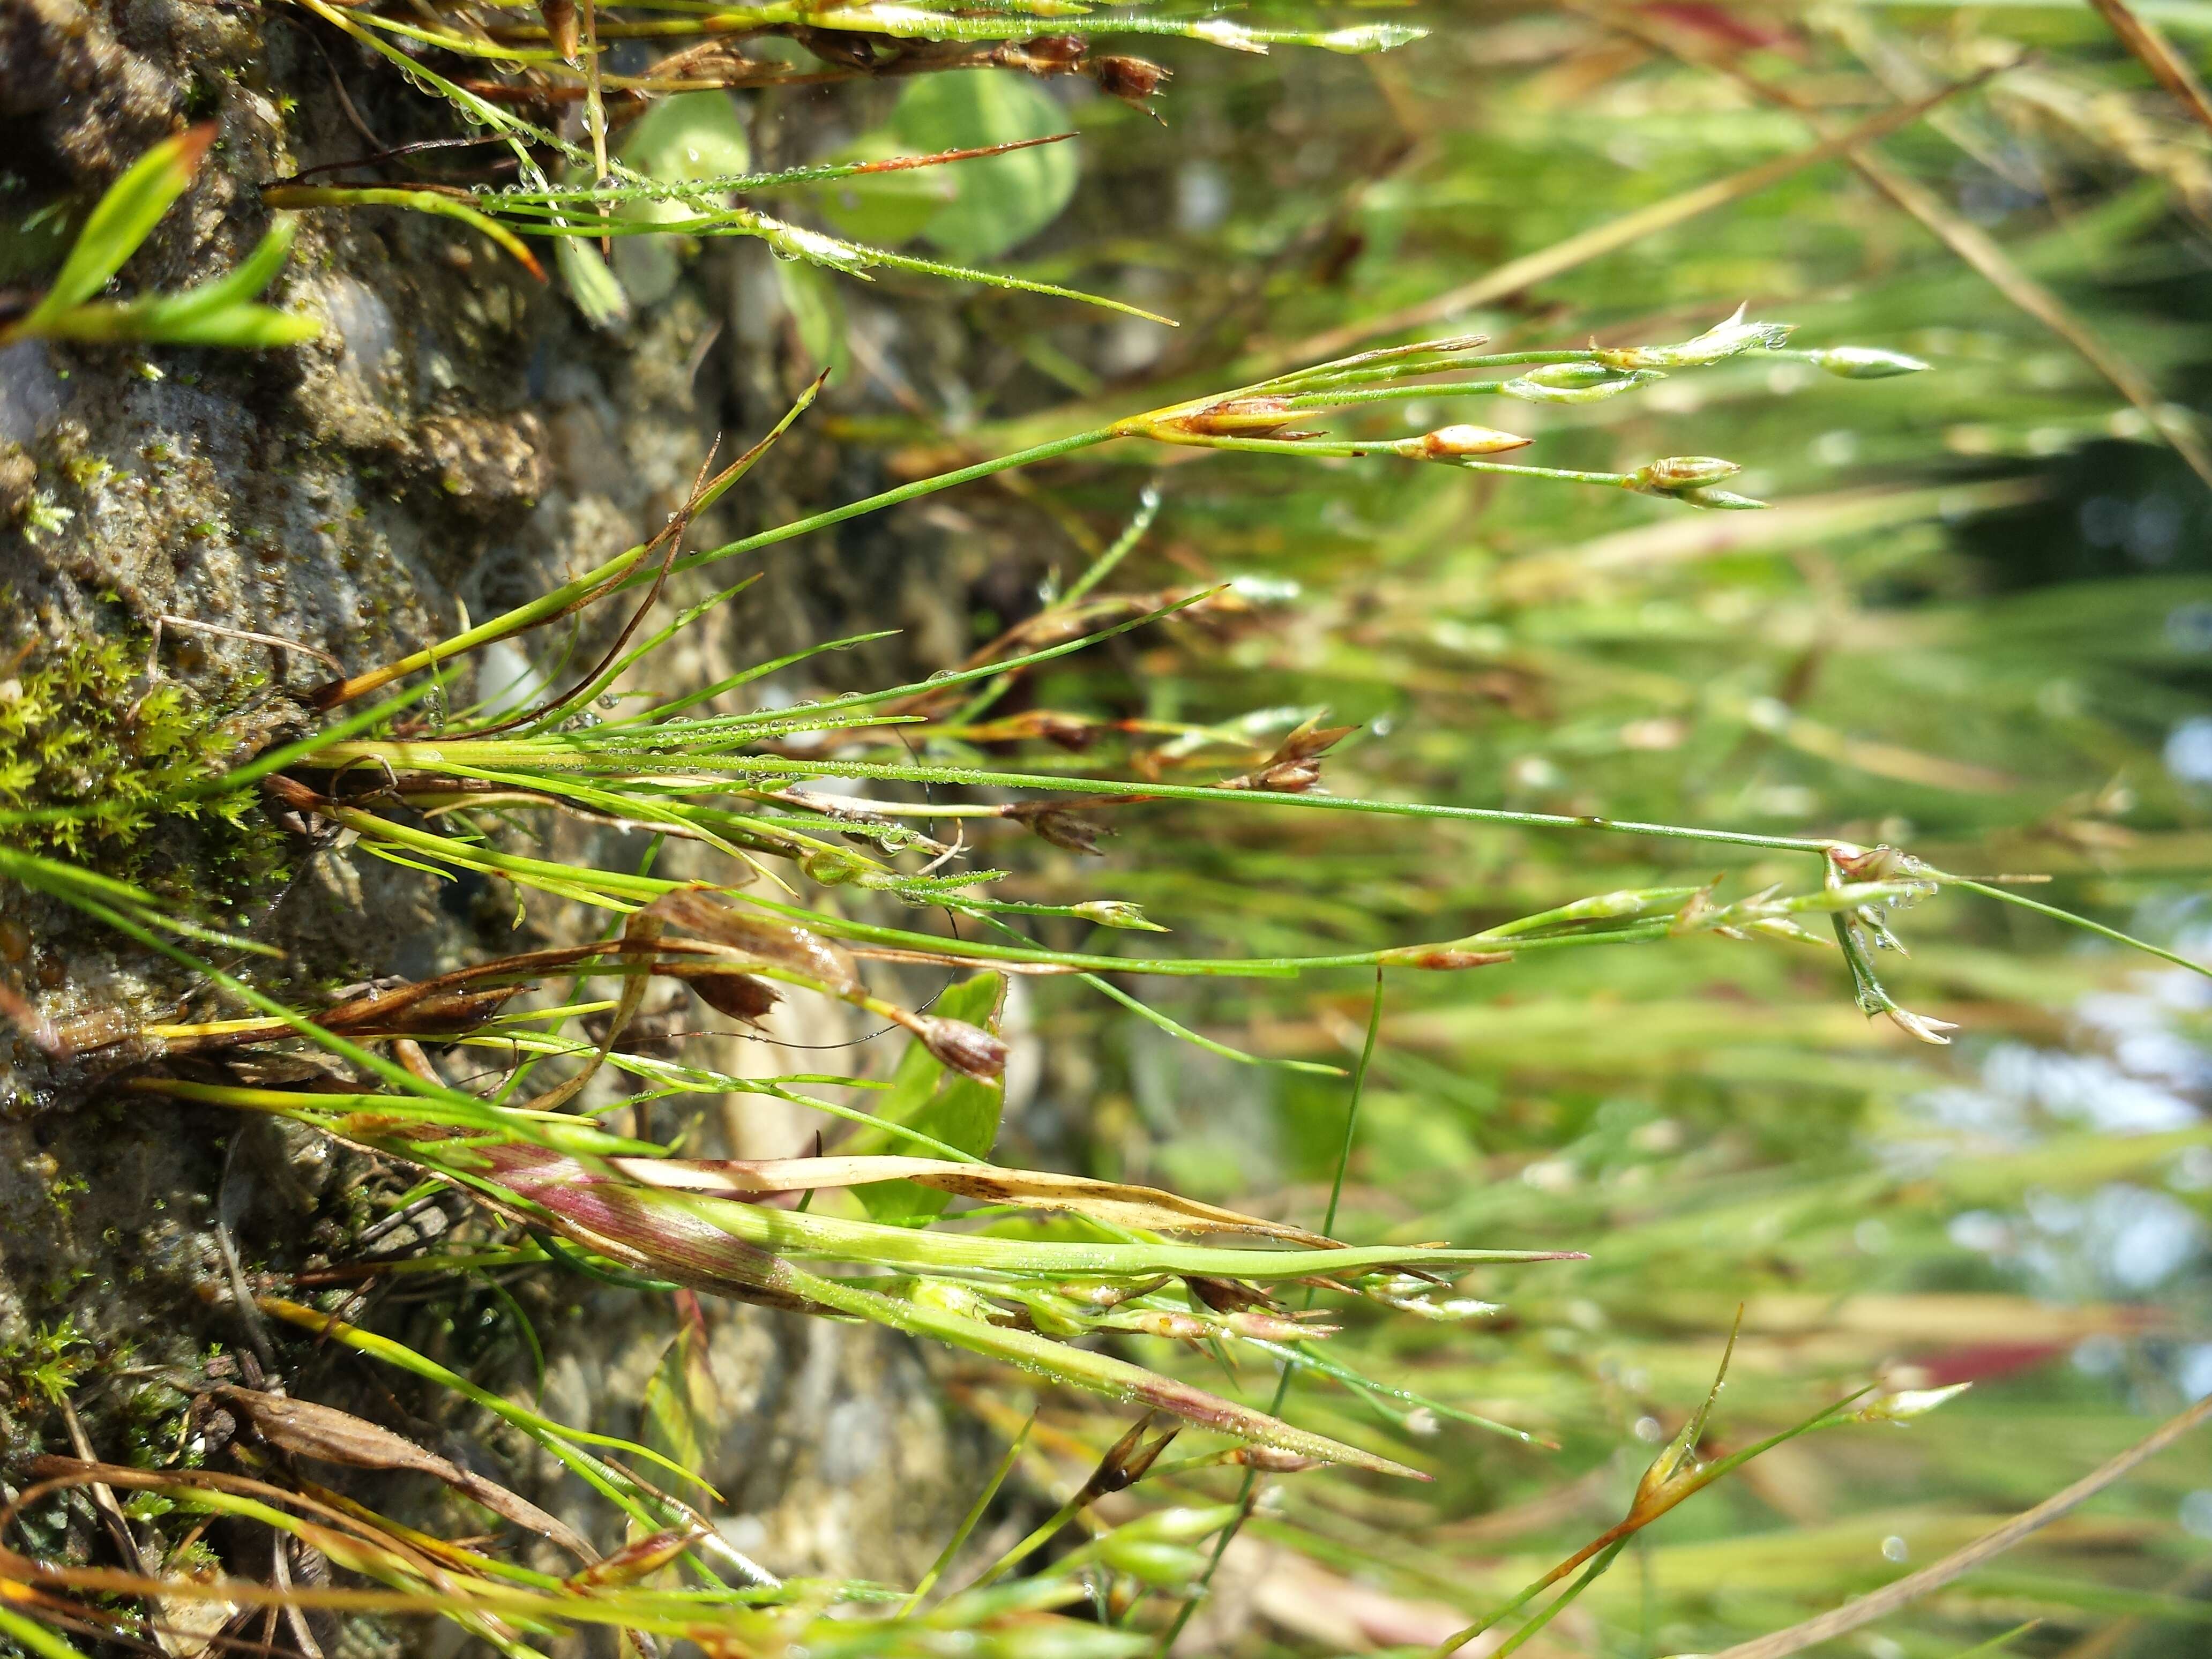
1977	623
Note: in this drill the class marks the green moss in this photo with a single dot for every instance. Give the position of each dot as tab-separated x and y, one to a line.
80	729
43	516
44	1367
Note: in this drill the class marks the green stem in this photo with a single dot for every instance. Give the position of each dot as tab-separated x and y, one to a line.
2008	897
428	755
621	572
1283	1383
969	1521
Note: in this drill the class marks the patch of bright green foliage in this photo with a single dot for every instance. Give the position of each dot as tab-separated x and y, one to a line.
80	729
45	1365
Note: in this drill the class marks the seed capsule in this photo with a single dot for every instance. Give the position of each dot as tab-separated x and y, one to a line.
762	937
967	1050
1117	913
1866	363
1060	50
1673	472
559	17
1722	341
1231	417
1056	825
1444	959
1449	443
1131	80
738	995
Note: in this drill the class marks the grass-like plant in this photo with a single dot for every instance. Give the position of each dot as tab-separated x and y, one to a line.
509	72
1071	1258
221	312
1049	1265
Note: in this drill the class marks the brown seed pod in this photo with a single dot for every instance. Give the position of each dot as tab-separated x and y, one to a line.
1226	1295
738	995
967	1050
454	1012
781	943
1444	959
1231	417
1063	829
1131	80
1673	472
1060	50
841	47
559	17
1271	1461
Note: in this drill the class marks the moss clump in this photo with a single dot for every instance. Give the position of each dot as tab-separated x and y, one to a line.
84	738
43	1366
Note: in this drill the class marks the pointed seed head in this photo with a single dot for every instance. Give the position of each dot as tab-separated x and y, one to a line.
1218	32
1671	473
1866	363
1721	341
1117	913
1909	1403
1371	37
559	17
1720	500
967	1050
1919	1026
1450	443
1576	383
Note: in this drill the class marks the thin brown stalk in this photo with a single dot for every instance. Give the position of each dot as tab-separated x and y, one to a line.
2167	67
671	542
192	625
1881	1603
595	116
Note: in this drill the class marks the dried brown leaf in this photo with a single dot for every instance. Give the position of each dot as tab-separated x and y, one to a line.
1105	1200
327	1435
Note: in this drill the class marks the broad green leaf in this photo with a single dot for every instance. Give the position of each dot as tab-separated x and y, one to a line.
819	314
885	209
1004	199
689	135
682	139
591	283
682	1421
951	1108
126	216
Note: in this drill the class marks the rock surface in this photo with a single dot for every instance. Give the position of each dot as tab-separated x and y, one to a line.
457	441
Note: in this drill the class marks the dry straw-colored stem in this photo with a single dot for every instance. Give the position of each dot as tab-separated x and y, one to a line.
1883	1602
2167	67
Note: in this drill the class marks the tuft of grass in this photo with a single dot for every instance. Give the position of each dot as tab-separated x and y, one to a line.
1558	712
220	312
